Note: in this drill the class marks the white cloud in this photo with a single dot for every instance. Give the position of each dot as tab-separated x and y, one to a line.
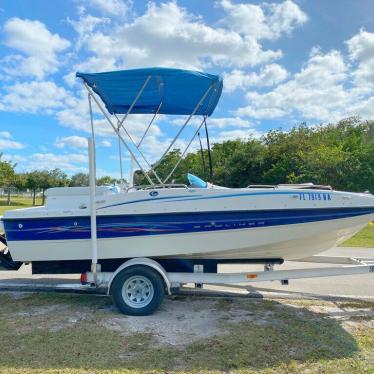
269	75
112	7
5	134
68	162
76	116
33	97
316	92
10	144
14	158
225	122
6	142
105	143
71	142
168	35
217	123
38	46
85	26
263	21
361	50
52	158
234	134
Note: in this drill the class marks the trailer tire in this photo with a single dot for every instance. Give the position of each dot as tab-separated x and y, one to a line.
137	290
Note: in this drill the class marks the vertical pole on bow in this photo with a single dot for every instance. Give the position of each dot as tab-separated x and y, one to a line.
92	189
92	177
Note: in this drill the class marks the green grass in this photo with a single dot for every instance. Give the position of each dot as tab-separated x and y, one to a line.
364	238
291	340
17	203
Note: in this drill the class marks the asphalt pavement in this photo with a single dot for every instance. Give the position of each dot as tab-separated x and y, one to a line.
361	286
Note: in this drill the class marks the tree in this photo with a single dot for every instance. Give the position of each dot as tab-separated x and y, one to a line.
79	180
34	180
340	154
6	175
106	181
51	178
6	171
20	181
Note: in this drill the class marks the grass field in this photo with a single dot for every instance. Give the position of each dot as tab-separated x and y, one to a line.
16	203
365	238
66	334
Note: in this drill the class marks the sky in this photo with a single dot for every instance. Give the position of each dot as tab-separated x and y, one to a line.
282	63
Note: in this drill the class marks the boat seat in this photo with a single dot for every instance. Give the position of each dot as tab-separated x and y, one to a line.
196	182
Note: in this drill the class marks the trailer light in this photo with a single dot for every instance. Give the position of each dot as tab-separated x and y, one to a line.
84	278
251	276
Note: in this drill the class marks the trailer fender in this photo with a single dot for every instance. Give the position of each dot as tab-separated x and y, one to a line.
144	262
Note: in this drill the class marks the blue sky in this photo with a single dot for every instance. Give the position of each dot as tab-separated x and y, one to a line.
283	62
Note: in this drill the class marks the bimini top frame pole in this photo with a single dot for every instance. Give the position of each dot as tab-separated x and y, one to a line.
193	137
184	125
153	91
149	125
121	125
116	130
185	150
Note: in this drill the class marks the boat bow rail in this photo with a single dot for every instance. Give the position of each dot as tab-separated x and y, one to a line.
303	186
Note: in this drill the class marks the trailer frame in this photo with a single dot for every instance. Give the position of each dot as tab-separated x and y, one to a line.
174	280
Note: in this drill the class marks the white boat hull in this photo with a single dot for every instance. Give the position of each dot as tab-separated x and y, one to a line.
287	242
188	223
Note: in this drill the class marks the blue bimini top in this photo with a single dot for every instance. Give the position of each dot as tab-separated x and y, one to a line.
178	91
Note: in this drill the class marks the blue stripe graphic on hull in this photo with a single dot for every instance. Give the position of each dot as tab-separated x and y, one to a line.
167	223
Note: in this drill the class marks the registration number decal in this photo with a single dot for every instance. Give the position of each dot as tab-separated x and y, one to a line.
315	196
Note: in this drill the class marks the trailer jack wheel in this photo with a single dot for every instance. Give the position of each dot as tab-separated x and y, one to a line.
137	290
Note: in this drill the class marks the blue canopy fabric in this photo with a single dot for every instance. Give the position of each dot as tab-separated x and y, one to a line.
178	90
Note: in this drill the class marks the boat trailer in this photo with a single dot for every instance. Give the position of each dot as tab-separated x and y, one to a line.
174	280
140	275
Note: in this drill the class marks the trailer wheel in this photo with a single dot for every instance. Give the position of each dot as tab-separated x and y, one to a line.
137	290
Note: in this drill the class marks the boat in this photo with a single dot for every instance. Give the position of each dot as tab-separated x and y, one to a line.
169	222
